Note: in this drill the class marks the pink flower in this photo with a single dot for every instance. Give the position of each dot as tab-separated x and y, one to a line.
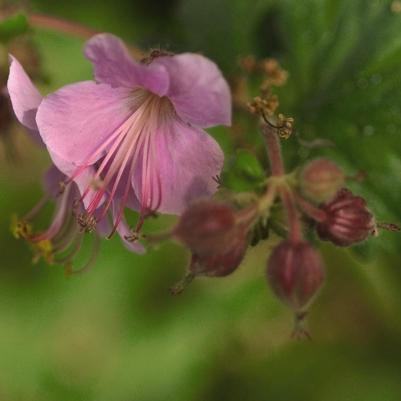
135	136
63	233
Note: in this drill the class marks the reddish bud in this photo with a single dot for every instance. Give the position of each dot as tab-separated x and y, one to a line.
215	236
295	273
222	263
347	221
206	226
320	179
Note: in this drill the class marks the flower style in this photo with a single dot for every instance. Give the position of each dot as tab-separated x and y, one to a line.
135	135
60	242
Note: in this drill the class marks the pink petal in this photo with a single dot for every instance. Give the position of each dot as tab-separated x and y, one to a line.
103	227
75	121
24	96
51	181
198	90
182	166
124	231
114	65
83	180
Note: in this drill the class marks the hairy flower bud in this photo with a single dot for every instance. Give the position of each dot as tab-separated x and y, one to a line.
206	226
295	273
221	263
320	179
348	220
216	235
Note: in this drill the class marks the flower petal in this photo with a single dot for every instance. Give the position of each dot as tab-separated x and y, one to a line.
51	181
198	90
114	66
83	180
25	98
75	121
124	231
181	167
103	227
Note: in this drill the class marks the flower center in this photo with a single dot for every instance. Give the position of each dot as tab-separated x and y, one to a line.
130	151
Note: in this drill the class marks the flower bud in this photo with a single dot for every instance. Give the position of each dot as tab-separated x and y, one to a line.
206	227
295	273
320	179
222	263
216	235
348	220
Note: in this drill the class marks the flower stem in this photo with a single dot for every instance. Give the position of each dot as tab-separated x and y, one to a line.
294	224
43	21
273	150
312	211
277	169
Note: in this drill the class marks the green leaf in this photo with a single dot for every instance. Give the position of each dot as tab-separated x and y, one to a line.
243	172
344	60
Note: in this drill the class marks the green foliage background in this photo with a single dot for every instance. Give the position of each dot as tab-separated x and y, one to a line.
116	334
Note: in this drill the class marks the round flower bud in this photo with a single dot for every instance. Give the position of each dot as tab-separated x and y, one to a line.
320	179
222	263
347	221
206	227
216	235
295	273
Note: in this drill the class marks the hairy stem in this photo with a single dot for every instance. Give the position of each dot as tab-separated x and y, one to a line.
294	224
312	211
273	150
43	21
277	169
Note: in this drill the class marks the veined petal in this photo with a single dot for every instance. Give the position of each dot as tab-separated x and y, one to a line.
25	98
114	65
182	166
76	121
198	90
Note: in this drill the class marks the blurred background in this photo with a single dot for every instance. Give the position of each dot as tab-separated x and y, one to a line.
115	333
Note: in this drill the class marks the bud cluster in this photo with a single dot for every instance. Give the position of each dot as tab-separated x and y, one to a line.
127	174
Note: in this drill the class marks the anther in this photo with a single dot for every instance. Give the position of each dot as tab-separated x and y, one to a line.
87	222
62	185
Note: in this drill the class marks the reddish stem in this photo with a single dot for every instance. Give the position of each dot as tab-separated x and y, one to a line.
43	21
277	168
273	150
294	224
312	211
56	24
